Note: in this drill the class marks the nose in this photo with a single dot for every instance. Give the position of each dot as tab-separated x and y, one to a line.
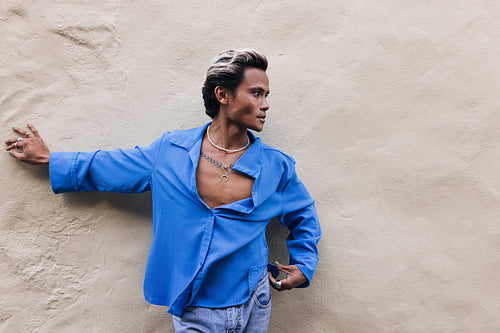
265	105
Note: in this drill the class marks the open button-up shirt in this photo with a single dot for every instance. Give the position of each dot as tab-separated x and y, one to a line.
201	256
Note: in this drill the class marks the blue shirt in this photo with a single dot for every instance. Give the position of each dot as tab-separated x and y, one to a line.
201	256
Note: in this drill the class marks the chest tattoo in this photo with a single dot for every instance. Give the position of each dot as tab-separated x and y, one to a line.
225	170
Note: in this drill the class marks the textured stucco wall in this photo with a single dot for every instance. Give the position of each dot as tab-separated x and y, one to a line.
389	107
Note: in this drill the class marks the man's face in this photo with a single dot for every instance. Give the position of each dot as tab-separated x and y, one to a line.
247	108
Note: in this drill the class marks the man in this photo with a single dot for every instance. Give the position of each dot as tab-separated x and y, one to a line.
214	190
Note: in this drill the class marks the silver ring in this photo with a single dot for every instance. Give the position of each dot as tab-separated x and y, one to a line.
278	284
27	134
19	139
15	145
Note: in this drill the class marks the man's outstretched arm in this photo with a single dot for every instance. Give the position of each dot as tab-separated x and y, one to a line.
101	170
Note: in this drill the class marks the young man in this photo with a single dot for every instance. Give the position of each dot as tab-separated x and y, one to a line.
215	188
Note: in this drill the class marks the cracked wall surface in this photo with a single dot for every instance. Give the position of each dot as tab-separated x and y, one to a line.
389	108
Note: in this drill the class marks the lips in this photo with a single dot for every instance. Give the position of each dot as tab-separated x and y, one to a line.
262	118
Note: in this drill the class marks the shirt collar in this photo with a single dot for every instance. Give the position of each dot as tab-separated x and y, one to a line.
186	139
249	163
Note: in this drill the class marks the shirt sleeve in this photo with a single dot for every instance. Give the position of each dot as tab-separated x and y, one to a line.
299	215
127	171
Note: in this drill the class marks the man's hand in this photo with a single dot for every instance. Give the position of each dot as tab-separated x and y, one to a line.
33	149
294	277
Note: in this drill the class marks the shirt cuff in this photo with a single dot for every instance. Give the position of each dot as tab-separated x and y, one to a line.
308	273
62	172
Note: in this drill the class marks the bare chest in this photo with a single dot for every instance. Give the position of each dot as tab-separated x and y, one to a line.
217	183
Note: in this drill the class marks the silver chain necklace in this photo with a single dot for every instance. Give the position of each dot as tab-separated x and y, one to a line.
224	149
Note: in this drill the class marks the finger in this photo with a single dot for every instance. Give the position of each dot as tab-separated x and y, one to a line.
289	283
16	144
34	130
16	154
10	141
20	144
12	146
284	268
271	278
20	131
273	282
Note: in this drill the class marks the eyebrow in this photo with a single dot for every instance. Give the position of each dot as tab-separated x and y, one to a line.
259	89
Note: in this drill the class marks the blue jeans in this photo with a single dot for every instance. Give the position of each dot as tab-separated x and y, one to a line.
251	316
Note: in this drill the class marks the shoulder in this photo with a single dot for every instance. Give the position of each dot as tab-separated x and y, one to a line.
278	163
277	155
183	133
184	138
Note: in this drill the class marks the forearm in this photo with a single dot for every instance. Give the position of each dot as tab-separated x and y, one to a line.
302	242
126	171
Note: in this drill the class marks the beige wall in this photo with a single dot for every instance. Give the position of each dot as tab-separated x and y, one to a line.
389	107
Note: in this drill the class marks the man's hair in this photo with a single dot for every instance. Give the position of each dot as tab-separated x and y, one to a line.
227	70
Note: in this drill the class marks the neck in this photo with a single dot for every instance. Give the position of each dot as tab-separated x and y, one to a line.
228	136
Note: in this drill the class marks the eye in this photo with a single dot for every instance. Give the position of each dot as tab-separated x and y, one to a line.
257	93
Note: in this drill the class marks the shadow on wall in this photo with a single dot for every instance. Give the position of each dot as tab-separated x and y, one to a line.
301	303
276	235
139	204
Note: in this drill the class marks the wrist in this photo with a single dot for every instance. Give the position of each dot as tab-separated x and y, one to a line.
45	158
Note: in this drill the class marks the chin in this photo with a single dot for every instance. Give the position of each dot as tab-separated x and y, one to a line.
257	128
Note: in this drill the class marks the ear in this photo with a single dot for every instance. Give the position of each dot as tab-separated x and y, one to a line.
222	94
